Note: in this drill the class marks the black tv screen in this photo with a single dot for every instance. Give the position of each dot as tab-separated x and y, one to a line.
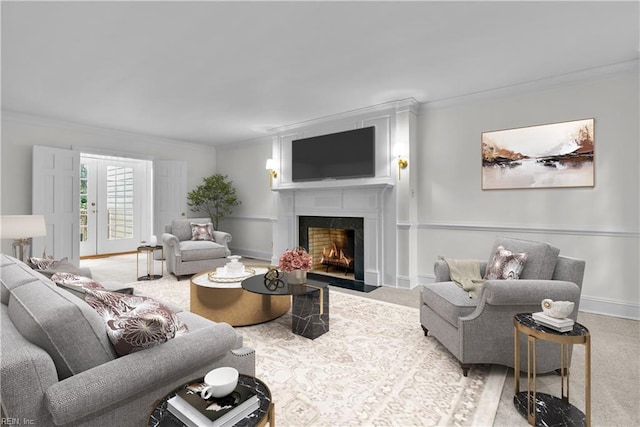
349	154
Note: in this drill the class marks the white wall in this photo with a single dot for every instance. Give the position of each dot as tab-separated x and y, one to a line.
20	133
599	224
250	224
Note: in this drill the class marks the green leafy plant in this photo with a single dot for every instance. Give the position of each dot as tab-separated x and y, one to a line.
216	197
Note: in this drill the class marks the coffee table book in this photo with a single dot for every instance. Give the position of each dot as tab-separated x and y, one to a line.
191	409
560	325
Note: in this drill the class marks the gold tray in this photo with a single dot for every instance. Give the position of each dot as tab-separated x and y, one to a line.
248	273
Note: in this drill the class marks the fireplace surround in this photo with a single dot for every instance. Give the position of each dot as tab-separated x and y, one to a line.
353	225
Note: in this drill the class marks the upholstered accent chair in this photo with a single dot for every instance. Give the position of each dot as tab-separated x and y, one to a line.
186	256
479	329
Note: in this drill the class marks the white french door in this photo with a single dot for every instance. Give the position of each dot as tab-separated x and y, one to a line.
115	204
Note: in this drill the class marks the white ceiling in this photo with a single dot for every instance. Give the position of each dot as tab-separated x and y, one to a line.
220	72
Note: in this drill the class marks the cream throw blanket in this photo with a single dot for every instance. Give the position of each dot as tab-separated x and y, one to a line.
466	273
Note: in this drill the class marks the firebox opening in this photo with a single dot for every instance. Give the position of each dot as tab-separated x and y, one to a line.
332	250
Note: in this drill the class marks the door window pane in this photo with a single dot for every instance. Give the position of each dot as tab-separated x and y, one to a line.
83	203
119	202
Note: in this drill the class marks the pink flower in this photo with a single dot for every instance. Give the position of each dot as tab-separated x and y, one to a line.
295	259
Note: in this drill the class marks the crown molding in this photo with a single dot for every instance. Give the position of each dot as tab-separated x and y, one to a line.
395	106
96	130
535	85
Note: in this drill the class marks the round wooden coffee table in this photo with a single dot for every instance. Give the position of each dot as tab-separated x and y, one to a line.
228	302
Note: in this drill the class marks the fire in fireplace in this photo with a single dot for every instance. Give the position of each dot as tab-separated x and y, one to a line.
336	245
335	257
331	249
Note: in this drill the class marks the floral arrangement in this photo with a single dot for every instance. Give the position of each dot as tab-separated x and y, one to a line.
296	259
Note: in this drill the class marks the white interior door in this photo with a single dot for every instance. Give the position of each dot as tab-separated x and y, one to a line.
170	193
56	191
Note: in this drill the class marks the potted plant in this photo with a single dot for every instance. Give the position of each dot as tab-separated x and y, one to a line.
216	197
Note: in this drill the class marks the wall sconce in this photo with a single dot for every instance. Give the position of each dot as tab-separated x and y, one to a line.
398	152
21	228
271	167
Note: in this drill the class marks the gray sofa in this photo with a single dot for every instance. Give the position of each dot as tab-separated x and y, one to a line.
185	256
480	330
58	366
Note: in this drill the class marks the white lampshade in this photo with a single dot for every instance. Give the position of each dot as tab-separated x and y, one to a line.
270	164
398	150
22	226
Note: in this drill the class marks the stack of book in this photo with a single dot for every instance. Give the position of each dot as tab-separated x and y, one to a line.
194	411
560	325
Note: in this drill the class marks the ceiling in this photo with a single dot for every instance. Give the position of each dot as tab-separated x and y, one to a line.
220	72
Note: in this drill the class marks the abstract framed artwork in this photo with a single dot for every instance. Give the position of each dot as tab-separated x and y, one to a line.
542	156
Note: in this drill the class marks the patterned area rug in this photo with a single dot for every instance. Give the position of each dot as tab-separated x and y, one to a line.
374	367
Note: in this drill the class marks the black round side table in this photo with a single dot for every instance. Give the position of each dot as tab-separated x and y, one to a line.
542	409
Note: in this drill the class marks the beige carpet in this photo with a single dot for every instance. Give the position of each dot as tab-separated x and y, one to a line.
374	367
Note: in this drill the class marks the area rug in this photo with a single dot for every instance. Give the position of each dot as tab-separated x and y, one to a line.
374	367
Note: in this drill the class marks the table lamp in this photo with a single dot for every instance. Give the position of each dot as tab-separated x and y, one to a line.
21	228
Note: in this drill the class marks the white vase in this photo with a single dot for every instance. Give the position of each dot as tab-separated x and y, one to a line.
153	240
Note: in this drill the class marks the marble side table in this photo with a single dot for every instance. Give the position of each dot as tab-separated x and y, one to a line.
542	409
310	302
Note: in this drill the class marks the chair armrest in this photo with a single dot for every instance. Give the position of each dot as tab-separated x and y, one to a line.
146	371
221	237
528	292
172	243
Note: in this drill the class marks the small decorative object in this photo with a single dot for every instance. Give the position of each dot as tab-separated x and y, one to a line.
153	240
557	309
220	382
296	263
234	267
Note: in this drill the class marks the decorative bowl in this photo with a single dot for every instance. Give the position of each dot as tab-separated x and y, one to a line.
222	381
557	309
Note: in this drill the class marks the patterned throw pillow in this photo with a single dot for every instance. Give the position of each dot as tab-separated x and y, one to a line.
44	263
202	231
74	281
134	322
505	265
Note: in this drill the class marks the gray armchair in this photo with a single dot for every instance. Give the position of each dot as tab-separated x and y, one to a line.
480	330
185	256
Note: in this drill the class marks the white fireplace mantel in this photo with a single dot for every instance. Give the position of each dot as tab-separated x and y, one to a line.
367	203
337	184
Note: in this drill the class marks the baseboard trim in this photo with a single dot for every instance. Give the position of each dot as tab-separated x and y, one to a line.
266	256
609	307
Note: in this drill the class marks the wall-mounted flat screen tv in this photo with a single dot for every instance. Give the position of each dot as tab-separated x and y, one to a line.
348	154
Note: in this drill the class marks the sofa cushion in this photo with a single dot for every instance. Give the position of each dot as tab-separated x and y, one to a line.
448	300
64	326
505	265
541	257
134	322
197	250
14	274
